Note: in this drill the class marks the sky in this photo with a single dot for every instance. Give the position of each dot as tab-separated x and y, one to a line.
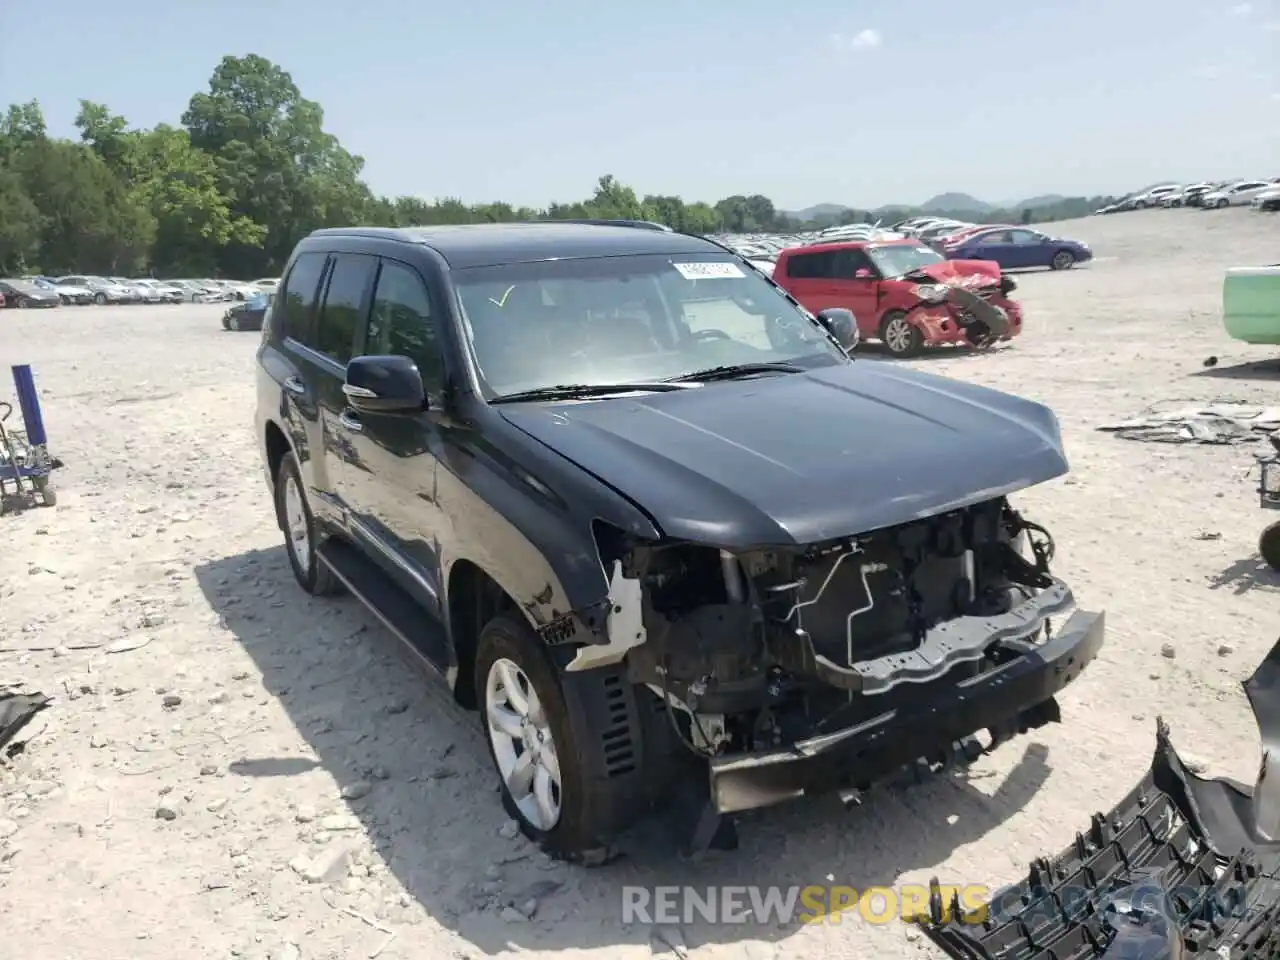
810	101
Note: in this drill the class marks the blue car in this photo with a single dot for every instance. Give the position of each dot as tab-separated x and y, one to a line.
1017	247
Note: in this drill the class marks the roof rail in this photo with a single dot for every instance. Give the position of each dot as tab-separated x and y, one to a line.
599	222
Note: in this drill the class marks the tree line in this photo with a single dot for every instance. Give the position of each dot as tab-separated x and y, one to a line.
249	171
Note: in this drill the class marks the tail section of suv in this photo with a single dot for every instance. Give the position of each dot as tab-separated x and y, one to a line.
646	515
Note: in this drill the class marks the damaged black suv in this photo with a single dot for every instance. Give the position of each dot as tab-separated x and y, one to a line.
642	510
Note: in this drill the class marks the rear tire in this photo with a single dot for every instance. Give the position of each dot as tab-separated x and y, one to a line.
592	768
296	521
901	337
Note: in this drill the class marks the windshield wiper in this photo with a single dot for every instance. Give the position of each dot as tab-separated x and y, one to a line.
733	370
572	391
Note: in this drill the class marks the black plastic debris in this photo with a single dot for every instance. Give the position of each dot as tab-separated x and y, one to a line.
1183	867
16	711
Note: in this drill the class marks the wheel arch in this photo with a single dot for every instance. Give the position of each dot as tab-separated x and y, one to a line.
277	446
473	598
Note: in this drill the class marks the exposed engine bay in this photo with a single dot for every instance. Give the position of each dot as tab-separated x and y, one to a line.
763	650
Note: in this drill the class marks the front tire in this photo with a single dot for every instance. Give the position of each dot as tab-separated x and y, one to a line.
233	323
1062	260
1269	546
900	336
569	749
296	521
100	299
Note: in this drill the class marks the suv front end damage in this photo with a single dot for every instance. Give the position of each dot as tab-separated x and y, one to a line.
830	667
1182	867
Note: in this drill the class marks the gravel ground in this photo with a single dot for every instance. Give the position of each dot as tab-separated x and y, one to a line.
183	797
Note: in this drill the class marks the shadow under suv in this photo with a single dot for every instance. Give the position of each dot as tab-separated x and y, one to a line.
641	510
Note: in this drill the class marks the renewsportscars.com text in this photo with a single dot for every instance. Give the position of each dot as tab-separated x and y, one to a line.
808	904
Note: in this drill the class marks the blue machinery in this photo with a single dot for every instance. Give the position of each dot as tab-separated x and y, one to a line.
25	464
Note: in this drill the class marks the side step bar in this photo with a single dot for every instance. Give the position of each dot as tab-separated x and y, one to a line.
399	612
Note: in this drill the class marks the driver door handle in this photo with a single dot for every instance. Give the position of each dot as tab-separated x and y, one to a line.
295	386
350	422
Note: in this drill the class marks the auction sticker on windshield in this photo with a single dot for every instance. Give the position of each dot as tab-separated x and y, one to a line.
709	271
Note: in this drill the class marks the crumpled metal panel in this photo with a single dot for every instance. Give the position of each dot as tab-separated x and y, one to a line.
1182	867
16	711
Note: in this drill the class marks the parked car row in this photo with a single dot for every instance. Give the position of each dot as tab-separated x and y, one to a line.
82	290
1011	246
1206	194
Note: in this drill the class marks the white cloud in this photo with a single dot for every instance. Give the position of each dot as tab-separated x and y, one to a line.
1242	9
1210	72
1272	27
862	40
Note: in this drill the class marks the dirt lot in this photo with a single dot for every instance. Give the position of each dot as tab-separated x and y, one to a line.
163	806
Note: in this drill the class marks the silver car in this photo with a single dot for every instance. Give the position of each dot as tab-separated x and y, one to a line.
145	293
104	291
159	292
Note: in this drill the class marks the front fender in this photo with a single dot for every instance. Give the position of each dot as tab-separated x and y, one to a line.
525	519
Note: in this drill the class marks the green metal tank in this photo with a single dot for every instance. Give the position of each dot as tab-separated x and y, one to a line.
1251	304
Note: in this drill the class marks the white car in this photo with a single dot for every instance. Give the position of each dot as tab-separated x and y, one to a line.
1238	194
1178	198
1269	198
1154	196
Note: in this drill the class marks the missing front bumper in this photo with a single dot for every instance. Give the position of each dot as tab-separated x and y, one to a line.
1182	867
1015	693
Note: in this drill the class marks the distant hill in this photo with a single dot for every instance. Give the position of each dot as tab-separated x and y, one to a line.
953	202
962	206
1047	200
818	211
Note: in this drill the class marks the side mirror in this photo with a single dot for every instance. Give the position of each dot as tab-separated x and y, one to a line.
841	324
384	385
862	273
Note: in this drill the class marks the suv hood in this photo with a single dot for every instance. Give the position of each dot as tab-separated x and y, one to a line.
805	457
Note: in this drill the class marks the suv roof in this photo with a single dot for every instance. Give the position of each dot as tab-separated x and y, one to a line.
488	244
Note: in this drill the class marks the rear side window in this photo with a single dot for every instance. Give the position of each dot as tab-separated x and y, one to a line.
402	322
299	300
340	315
847	263
812	266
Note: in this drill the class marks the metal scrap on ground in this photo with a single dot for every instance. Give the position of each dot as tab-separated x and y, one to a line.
16	711
1214	422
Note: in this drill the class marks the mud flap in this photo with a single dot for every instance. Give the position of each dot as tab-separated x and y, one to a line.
1182	867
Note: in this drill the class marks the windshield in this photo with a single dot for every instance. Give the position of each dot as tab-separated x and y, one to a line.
628	319
896	260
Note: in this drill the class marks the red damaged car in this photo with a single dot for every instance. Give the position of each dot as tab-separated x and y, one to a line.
903	293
